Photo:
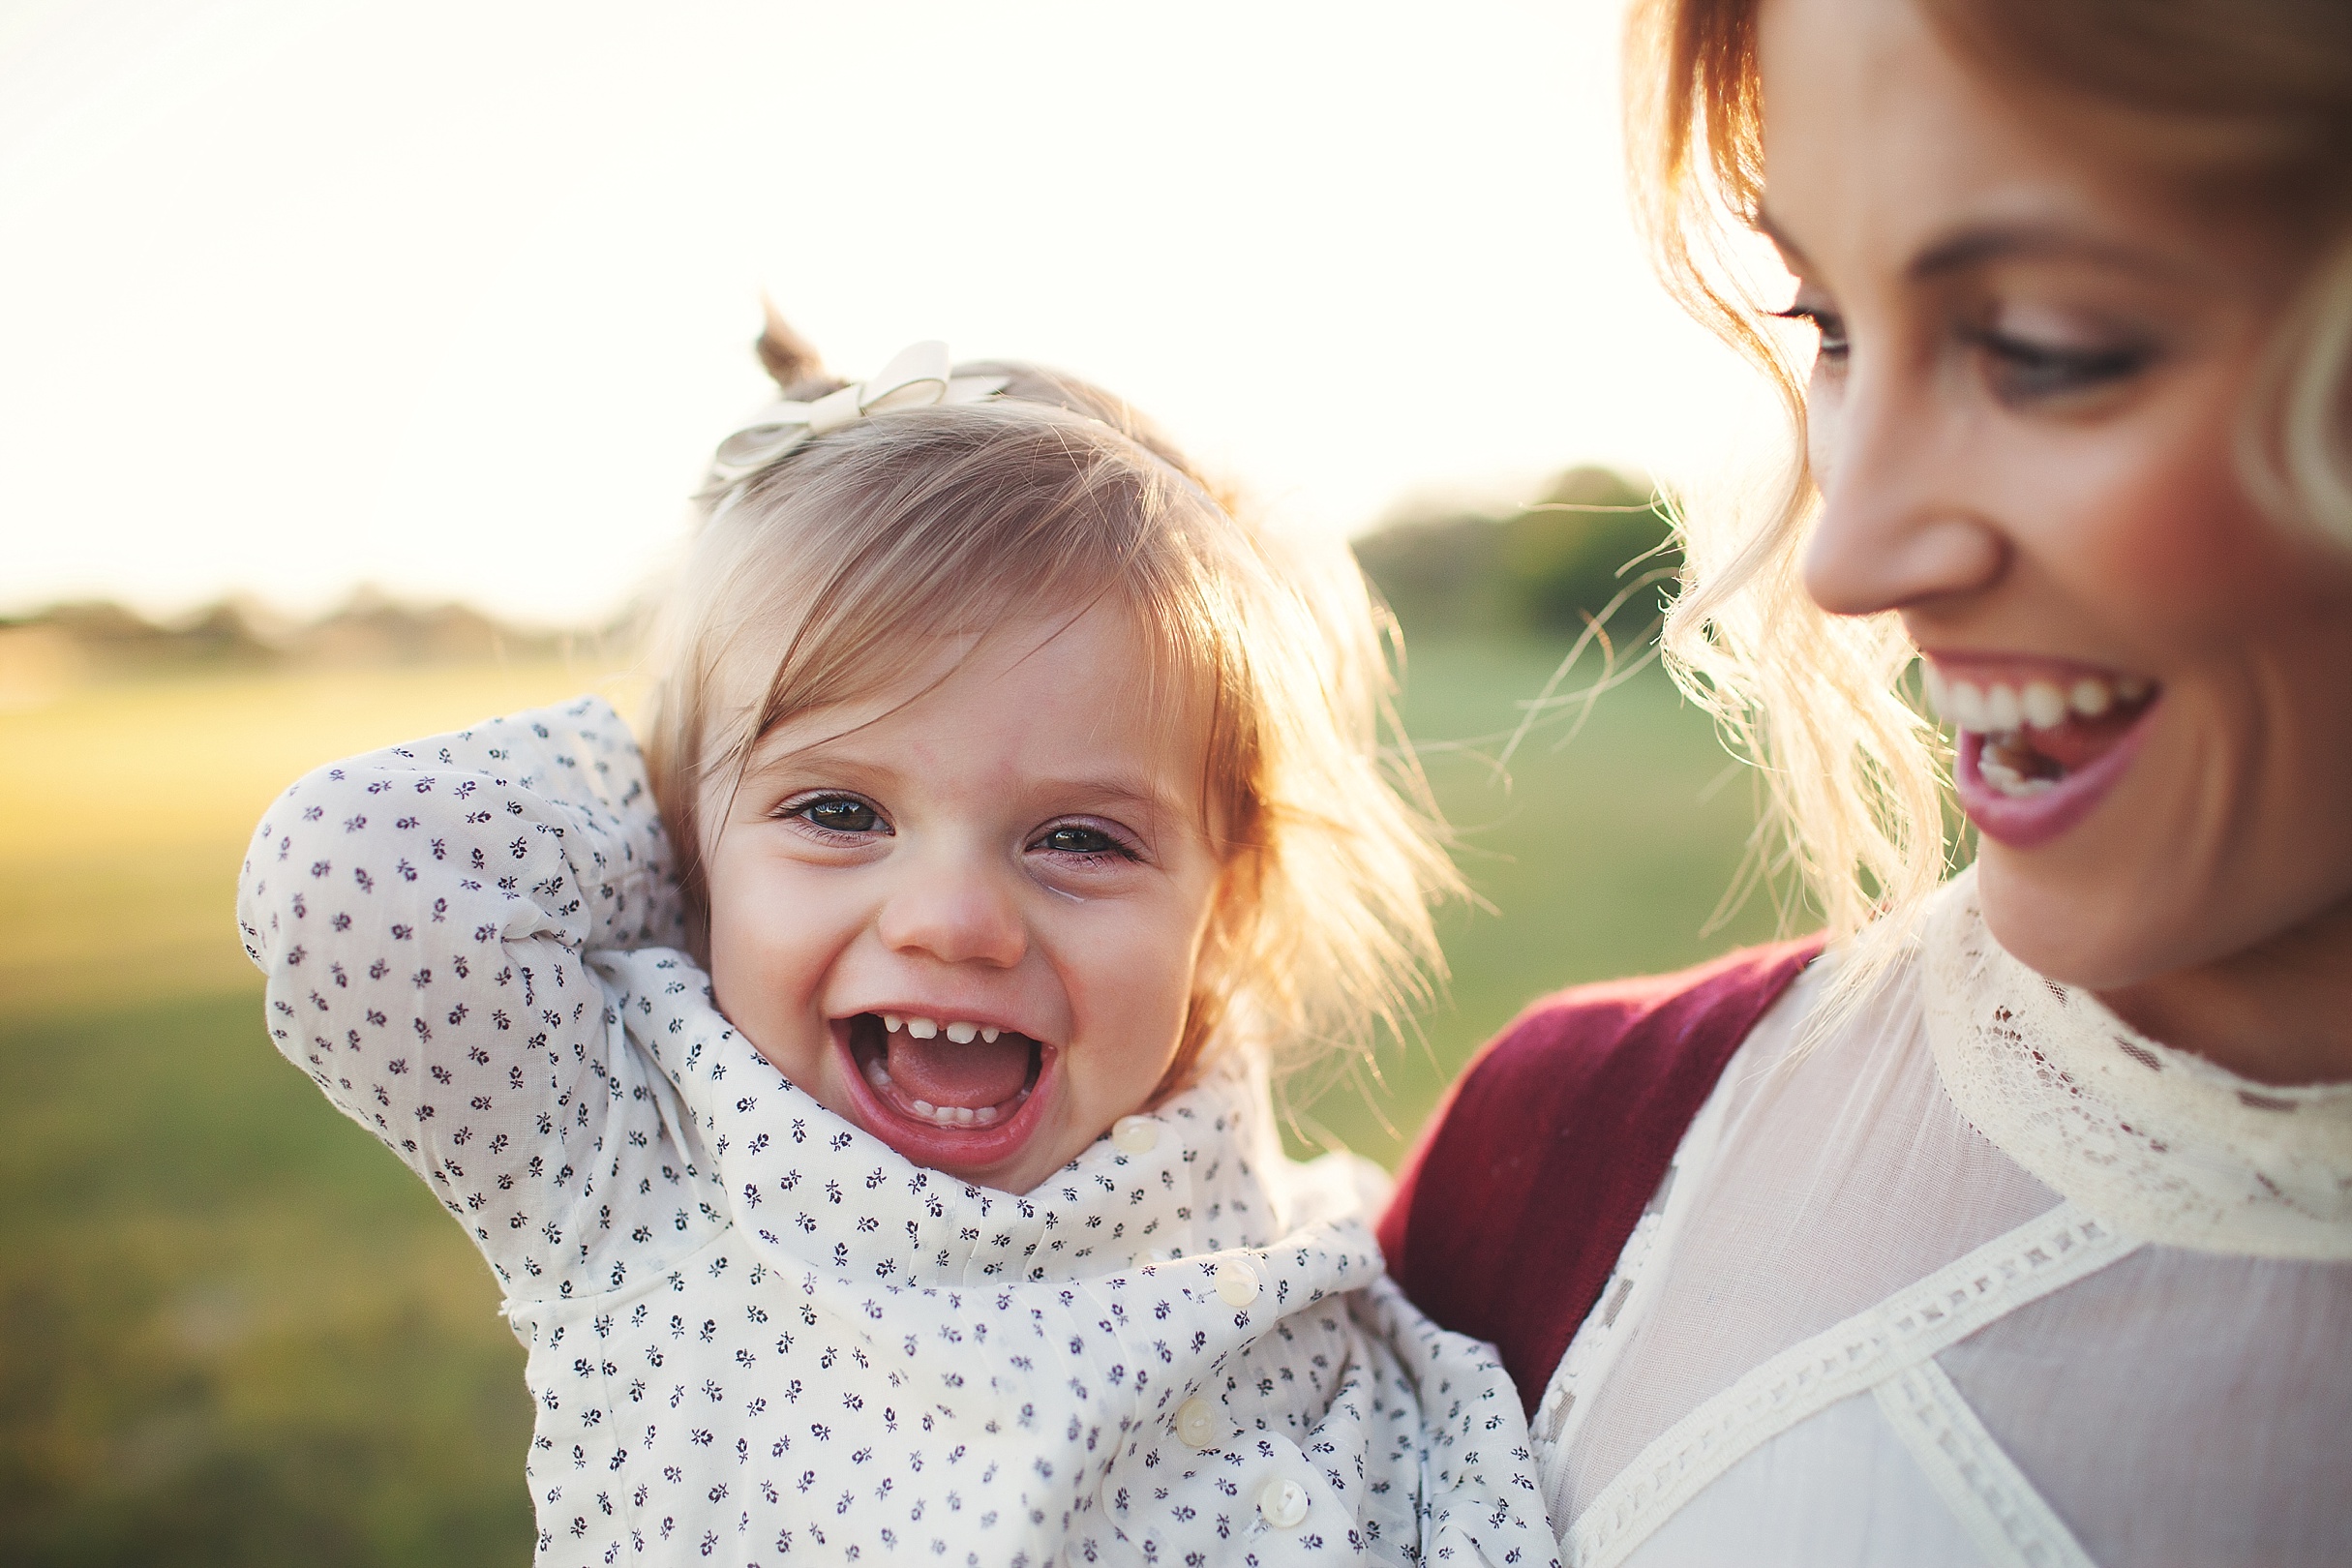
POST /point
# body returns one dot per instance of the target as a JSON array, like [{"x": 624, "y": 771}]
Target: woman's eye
[
  {"x": 840, "y": 814},
  {"x": 1075, "y": 838},
  {"x": 2022, "y": 370},
  {"x": 1827, "y": 323}
]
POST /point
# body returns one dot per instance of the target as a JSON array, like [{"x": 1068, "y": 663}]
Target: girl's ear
[{"x": 790, "y": 359}]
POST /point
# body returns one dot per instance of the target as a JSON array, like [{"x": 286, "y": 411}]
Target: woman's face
[{"x": 2023, "y": 418}]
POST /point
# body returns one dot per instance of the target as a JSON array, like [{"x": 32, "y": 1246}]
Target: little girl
[{"x": 862, "y": 1093}]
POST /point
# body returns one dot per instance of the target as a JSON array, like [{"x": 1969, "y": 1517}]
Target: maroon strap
[{"x": 1511, "y": 1213}]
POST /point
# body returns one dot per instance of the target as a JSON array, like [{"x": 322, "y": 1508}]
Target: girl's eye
[
  {"x": 840, "y": 814},
  {"x": 2022, "y": 370},
  {"x": 1827, "y": 323},
  {"x": 1077, "y": 838}
]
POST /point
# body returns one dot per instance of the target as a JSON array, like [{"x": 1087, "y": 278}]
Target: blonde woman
[{"x": 2017, "y": 1229}]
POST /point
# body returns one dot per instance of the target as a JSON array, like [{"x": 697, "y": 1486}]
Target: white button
[
  {"x": 1196, "y": 1423},
  {"x": 1236, "y": 1283},
  {"x": 1282, "y": 1502},
  {"x": 1135, "y": 1134}
]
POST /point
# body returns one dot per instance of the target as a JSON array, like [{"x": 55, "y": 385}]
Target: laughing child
[{"x": 860, "y": 1092}]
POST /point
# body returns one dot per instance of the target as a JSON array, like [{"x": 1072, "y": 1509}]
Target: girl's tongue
[{"x": 941, "y": 1073}]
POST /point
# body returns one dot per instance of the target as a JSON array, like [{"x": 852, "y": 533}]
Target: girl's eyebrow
[
  {"x": 1116, "y": 792},
  {"x": 767, "y": 758}
]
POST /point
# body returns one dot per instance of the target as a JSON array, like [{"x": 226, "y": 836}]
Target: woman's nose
[
  {"x": 1898, "y": 523},
  {"x": 957, "y": 912}
]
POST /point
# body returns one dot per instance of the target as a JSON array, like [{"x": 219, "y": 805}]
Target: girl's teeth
[
  {"x": 2002, "y": 710},
  {"x": 984, "y": 1115},
  {"x": 924, "y": 1107},
  {"x": 877, "y": 1075},
  {"x": 962, "y": 1034},
  {"x": 2091, "y": 698},
  {"x": 2045, "y": 705}
]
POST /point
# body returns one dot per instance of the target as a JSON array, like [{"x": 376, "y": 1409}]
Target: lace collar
[{"x": 2158, "y": 1141}]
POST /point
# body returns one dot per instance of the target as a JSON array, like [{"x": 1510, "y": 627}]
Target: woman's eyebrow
[
  {"x": 1791, "y": 252},
  {"x": 1984, "y": 244}
]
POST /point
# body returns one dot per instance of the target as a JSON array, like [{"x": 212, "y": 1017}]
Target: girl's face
[
  {"x": 2029, "y": 382},
  {"x": 964, "y": 915}
]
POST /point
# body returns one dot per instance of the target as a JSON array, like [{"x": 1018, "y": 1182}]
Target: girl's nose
[
  {"x": 956, "y": 912},
  {"x": 1900, "y": 521}
]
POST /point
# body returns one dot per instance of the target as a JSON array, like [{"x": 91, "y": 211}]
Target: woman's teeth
[
  {"x": 1995, "y": 706},
  {"x": 945, "y": 1115},
  {"x": 1995, "y": 769},
  {"x": 2036, "y": 732},
  {"x": 962, "y": 1034}
]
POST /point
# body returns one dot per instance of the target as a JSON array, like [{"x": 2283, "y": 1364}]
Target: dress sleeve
[
  {"x": 423, "y": 915},
  {"x": 1513, "y": 1207}
]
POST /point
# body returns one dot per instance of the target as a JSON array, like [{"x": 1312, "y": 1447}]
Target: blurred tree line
[{"x": 1540, "y": 568}]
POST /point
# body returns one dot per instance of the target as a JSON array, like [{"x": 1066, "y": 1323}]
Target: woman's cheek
[{"x": 2164, "y": 548}]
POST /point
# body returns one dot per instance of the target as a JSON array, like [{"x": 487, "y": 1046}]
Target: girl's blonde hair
[
  {"x": 2243, "y": 105},
  {"x": 831, "y": 574}
]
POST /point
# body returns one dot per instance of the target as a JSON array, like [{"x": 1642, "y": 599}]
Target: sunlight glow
[{"x": 456, "y": 298}]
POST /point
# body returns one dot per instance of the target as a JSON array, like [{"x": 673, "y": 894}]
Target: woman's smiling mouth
[
  {"x": 954, "y": 1094},
  {"x": 2041, "y": 740}
]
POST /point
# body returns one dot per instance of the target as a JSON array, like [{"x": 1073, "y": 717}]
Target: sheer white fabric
[{"x": 2172, "y": 1404}]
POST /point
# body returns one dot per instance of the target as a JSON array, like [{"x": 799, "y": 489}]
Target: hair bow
[{"x": 917, "y": 377}]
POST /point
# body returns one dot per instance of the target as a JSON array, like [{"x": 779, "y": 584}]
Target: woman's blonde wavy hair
[
  {"x": 833, "y": 574},
  {"x": 2243, "y": 105}
]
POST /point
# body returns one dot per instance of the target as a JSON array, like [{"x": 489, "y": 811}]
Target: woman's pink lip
[
  {"x": 2023, "y": 822},
  {"x": 965, "y": 1152}
]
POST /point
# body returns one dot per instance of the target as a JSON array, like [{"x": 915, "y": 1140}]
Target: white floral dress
[{"x": 759, "y": 1336}]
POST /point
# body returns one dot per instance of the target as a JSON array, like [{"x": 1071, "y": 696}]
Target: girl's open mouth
[
  {"x": 952, "y": 1093},
  {"x": 2041, "y": 742}
]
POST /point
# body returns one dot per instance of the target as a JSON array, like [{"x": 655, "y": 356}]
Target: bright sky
[{"x": 455, "y": 298}]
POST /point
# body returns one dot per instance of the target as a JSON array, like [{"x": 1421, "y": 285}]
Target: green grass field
[{"x": 233, "y": 1331}]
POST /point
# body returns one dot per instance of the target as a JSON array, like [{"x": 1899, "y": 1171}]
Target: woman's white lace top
[
  {"x": 2162, "y": 1143},
  {"x": 759, "y": 1336},
  {"x": 1983, "y": 1277}
]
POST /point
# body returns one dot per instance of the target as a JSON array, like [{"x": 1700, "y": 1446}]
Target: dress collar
[
  {"x": 2158, "y": 1141},
  {"x": 1203, "y": 1173}
]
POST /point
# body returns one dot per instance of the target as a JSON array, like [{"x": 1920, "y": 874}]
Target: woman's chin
[{"x": 2079, "y": 923}]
